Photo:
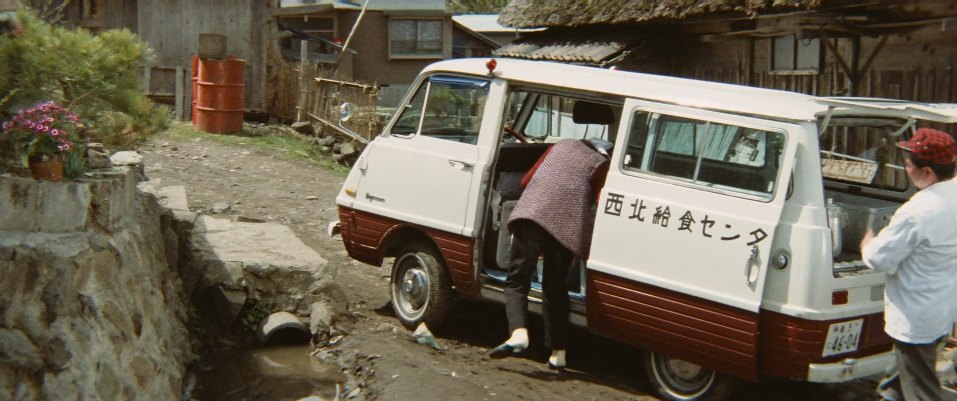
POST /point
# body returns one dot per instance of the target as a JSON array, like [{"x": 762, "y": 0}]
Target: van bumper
[{"x": 850, "y": 368}]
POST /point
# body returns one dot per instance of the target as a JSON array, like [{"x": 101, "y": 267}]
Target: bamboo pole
[
  {"x": 303, "y": 61},
  {"x": 345, "y": 46}
]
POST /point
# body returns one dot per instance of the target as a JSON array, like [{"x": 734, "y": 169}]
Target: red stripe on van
[
  {"x": 703, "y": 332},
  {"x": 789, "y": 344},
  {"x": 365, "y": 235}
]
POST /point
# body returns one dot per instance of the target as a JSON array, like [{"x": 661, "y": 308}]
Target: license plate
[{"x": 843, "y": 337}]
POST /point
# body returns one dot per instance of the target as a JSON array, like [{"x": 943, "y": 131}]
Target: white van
[{"x": 727, "y": 232}]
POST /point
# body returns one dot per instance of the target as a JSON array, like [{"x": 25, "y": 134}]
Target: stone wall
[{"x": 89, "y": 306}]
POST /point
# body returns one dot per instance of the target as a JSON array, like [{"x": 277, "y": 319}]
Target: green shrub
[{"x": 98, "y": 77}]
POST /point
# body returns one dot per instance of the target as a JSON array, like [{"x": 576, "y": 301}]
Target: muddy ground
[{"x": 378, "y": 352}]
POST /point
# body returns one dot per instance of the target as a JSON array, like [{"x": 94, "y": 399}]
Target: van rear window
[{"x": 706, "y": 153}]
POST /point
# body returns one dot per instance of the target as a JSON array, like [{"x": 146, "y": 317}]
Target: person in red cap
[{"x": 918, "y": 252}]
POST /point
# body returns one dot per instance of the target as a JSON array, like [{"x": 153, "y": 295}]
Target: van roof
[{"x": 739, "y": 99}]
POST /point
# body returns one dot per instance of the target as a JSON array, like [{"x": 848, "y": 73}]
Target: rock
[
  {"x": 384, "y": 327},
  {"x": 321, "y": 317},
  {"x": 303, "y": 127},
  {"x": 228, "y": 303},
  {"x": 347, "y": 149},
  {"x": 354, "y": 393},
  {"x": 267, "y": 261},
  {"x": 126, "y": 158},
  {"x": 327, "y": 141},
  {"x": 17, "y": 350},
  {"x": 221, "y": 207},
  {"x": 337, "y": 147},
  {"x": 174, "y": 198},
  {"x": 312, "y": 197},
  {"x": 133, "y": 160},
  {"x": 246, "y": 219},
  {"x": 97, "y": 146},
  {"x": 97, "y": 159}
]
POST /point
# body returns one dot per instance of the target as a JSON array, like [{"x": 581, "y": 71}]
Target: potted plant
[{"x": 46, "y": 136}]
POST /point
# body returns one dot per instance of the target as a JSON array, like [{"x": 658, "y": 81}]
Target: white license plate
[{"x": 843, "y": 337}]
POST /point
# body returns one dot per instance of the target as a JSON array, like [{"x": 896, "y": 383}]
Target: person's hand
[{"x": 868, "y": 236}]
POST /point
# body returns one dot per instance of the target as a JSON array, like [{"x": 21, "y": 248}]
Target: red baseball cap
[{"x": 932, "y": 145}]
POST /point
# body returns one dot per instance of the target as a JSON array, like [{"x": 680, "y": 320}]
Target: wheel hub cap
[{"x": 414, "y": 284}]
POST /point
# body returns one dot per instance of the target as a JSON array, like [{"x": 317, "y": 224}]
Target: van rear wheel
[
  {"x": 420, "y": 288},
  {"x": 679, "y": 380}
]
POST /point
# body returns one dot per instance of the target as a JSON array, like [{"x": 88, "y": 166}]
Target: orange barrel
[
  {"x": 220, "y": 89},
  {"x": 195, "y": 75}
]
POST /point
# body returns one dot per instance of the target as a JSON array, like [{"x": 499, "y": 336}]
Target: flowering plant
[{"x": 45, "y": 128}]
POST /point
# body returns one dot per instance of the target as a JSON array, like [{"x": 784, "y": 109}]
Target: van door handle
[
  {"x": 459, "y": 164},
  {"x": 749, "y": 265}
]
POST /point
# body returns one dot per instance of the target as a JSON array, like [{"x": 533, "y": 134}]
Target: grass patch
[{"x": 274, "y": 138}]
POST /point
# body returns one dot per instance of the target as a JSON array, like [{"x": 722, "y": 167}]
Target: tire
[
  {"x": 420, "y": 288},
  {"x": 678, "y": 380}
]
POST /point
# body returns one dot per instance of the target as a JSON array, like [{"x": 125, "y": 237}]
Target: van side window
[
  {"x": 703, "y": 152},
  {"x": 445, "y": 107},
  {"x": 549, "y": 117}
]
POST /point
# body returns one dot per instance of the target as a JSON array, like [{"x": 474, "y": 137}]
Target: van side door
[{"x": 684, "y": 230}]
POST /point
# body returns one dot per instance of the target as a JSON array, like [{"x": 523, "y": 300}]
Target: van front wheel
[
  {"x": 678, "y": 380},
  {"x": 420, "y": 288}
]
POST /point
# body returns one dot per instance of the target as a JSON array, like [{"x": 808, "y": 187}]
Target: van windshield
[{"x": 445, "y": 107}]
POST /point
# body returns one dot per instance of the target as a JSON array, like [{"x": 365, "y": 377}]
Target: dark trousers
[
  {"x": 528, "y": 241},
  {"x": 918, "y": 375},
  {"x": 913, "y": 376}
]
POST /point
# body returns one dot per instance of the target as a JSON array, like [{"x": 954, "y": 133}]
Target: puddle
[{"x": 274, "y": 373}]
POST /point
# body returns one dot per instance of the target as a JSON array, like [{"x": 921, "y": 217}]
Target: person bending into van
[
  {"x": 918, "y": 251},
  {"x": 553, "y": 217}
]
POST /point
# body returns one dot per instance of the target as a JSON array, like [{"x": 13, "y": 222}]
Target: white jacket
[{"x": 918, "y": 251}]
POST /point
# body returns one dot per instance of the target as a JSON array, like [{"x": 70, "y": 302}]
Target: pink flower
[{"x": 54, "y": 132}]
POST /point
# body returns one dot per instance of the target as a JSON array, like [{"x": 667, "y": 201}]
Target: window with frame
[
  {"x": 445, "y": 107},
  {"x": 793, "y": 55},
  {"x": 415, "y": 38},
  {"x": 711, "y": 154}
]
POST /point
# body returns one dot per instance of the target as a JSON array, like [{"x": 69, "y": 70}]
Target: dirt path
[{"x": 264, "y": 185}]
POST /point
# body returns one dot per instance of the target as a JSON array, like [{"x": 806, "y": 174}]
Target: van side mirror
[{"x": 346, "y": 110}]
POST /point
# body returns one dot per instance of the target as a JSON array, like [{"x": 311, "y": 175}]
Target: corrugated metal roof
[{"x": 591, "y": 53}]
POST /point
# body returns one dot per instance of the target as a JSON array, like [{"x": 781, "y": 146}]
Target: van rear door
[{"x": 684, "y": 231}]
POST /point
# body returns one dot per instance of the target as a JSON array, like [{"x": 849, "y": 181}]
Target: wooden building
[
  {"x": 394, "y": 41},
  {"x": 883, "y": 48}
]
